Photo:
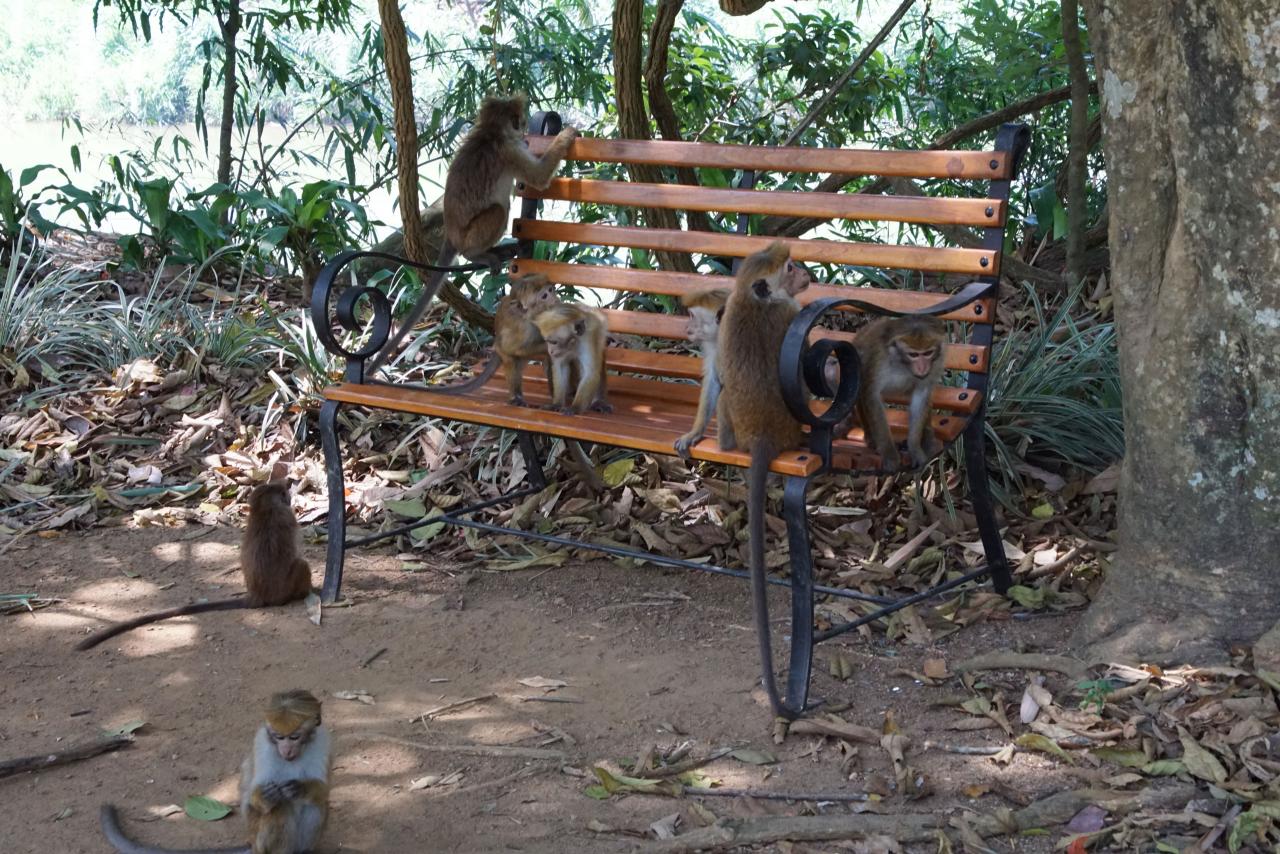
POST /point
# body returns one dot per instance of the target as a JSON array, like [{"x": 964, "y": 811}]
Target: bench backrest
[{"x": 989, "y": 213}]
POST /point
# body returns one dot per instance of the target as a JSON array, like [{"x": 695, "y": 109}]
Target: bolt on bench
[{"x": 650, "y": 410}]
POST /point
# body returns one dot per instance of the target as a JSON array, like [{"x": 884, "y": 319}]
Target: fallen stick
[
  {"x": 733, "y": 833},
  {"x": 453, "y": 707},
  {"x": 835, "y": 729},
  {"x": 371, "y": 659},
  {"x": 1022, "y": 661},
  {"x": 464, "y": 749},
  {"x": 965, "y": 749},
  {"x": 87, "y": 750},
  {"x": 527, "y": 771},
  {"x": 842, "y": 797},
  {"x": 675, "y": 769},
  {"x": 527, "y": 699}
]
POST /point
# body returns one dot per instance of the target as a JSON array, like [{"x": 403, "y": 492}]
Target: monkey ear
[
  {"x": 580, "y": 327},
  {"x": 720, "y": 315},
  {"x": 761, "y": 288}
]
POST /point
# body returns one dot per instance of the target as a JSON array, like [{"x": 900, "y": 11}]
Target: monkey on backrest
[
  {"x": 284, "y": 784},
  {"x": 751, "y": 411},
  {"x": 274, "y": 571},
  {"x": 899, "y": 356},
  {"x": 477, "y": 195}
]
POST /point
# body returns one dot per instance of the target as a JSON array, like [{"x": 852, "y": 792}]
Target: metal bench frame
[{"x": 801, "y": 375}]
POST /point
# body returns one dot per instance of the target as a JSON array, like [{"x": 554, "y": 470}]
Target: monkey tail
[
  {"x": 762, "y": 454},
  {"x": 444, "y": 259},
  {"x": 197, "y": 608},
  {"x": 110, "y": 822}
]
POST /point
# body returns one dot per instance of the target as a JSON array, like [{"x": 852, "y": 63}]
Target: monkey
[
  {"x": 899, "y": 356},
  {"x": 477, "y": 195},
  {"x": 706, "y": 307},
  {"x": 284, "y": 784},
  {"x": 274, "y": 574},
  {"x": 516, "y": 338},
  {"x": 751, "y": 410},
  {"x": 575, "y": 336}
]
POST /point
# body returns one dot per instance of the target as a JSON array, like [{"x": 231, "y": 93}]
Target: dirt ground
[{"x": 644, "y": 666}]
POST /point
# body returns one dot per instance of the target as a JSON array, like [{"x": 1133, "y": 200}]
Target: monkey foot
[
  {"x": 518, "y": 400},
  {"x": 601, "y": 407}
]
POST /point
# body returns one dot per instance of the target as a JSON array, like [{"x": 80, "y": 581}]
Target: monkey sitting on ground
[
  {"x": 576, "y": 337},
  {"x": 477, "y": 195},
  {"x": 705, "y": 307},
  {"x": 274, "y": 573},
  {"x": 751, "y": 410},
  {"x": 899, "y": 356},
  {"x": 284, "y": 784}
]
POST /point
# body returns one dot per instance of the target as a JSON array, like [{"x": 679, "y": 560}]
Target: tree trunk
[
  {"x": 230, "y": 29},
  {"x": 1190, "y": 98},
  {"x": 400, "y": 77},
  {"x": 1077, "y": 140},
  {"x": 742, "y": 7},
  {"x": 633, "y": 122},
  {"x": 664, "y": 113}
]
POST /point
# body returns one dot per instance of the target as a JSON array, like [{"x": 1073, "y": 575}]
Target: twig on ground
[
  {"x": 1022, "y": 661},
  {"x": 464, "y": 749},
  {"x": 453, "y": 707},
  {"x": 677, "y": 768},
  {"x": 964, "y": 749},
  {"x": 528, "y": 699},
  {"x": 733, "y": 833},
  {"x": 842, "y": 797},
  {"x": 371, "y": 659},
  {"x": 87, "y": 750}
]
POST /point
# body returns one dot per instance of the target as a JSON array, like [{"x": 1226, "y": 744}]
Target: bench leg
[
  {"x": 801, "y": 554},
  {"x": 983, "y": 509},
  {"x": 532, "y": 461},
  {"x": 336, "y": 527}
]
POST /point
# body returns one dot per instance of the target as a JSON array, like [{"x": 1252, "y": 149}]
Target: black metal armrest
[
  {"x": 970, "y": 293},
  {"x": 802, "y": 375},
  {"x": 345, "y": 307}
]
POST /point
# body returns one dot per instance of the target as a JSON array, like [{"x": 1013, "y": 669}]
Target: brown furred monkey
[
  {"x": 706, "y": 307},
  {"x": 477, "y": 195},
  {"x": 576, "y": 337},
  {"x": 274, "y": 573},
  {"x": 751, "y": 411},
  {"x": 899, "y": 356},
  {"x": 284, "y": 784}
]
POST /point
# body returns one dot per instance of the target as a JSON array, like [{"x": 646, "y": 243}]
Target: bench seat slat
[
  {"x": 850, "y": 206},
  {"x": 630, "y": 360},
  {"x": 941, "y": 260},
  {"x": 776, "y": 158},
  {"x": 646, "y": 417},
  {"x": 676, "y": 284},
  {"x": 956, "y": 357}
]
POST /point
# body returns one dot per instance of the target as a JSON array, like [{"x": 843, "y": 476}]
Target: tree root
[{"x": 1023, "y": 661}]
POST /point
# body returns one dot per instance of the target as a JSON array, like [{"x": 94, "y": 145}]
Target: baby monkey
[
  {"x": 706, "y": 307},
  {"x": 576, "y": 337},
  {"x": 284, "y": 784},
  {"x": 274, "y": 572},
  {"x": 899, "y": 356}
]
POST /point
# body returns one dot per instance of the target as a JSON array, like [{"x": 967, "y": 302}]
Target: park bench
[{"x": 654, "y": 402}]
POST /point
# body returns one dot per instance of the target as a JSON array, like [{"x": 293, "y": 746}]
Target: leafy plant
[
  {"x": 310, "y": 227},
  {"x": 1055, "y": 395}
]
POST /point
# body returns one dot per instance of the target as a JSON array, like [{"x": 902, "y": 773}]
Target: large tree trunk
[{"x": 1191, "y": 127}]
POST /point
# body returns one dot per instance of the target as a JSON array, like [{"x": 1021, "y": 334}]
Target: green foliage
[
  {"x": 1055, "y": 399},
  {"x": 310, "y": 227}
]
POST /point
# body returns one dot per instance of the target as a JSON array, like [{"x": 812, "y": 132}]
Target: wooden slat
[
  {"x": 958, "y": 357},
  {"x": 942, "y": 260},
  {"x": 852, "y": 206},
  {"x": 649, "y": 362},
  {"x": 677, "y": 284},
  {"x": 773, "y": 158},
  {"x": 639, "y": 421}
]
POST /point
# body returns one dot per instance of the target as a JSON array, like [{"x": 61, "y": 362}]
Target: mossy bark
[{"x": 1191, "y": 129}]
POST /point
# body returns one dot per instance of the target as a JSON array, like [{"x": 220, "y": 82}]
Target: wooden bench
[{"x": 654, "y": 402}]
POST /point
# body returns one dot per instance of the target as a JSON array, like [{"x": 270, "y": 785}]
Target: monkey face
[
  {"x": 917, "y": 352},
  {"x": 290, "y": 746},
  {"x": 562, "y": 342},
  {"x": 703, "y": 325},
  {"x": 795, "y": 277},
  {"x": 535, "y": 301}
]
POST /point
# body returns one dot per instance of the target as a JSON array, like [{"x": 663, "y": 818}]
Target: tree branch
[{"x": 1077, "y": 140}]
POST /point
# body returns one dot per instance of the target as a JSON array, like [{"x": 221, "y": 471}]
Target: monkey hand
[
  {"x": 568, "y": 134},
  {"x": 685, "y": 442},
  {"x": 290, "y": 789},
  {"x": 272, "y": 794}
]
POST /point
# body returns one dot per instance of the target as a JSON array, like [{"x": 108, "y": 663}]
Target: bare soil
[{"x": 641, "y": 671}]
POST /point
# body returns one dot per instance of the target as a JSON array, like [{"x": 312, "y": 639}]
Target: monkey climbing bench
[{"x": 654, "y": 402}]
